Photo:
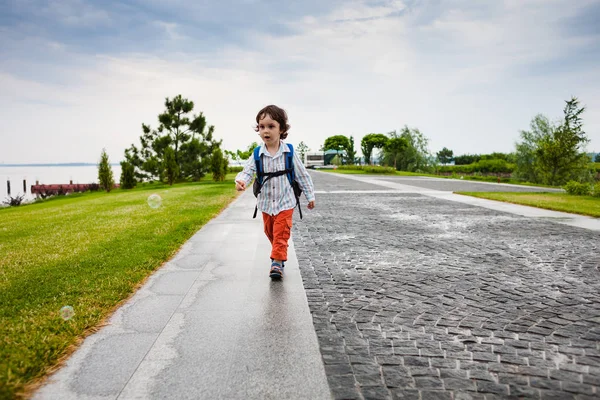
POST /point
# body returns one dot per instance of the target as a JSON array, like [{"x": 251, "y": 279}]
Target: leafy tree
[
  {"x": 560, "y": 154},
  {"x": 192, "y": 144},
  {"x": 105, "y": 174},
  {"x": 554, "y": 154},
  {"x": 370, "y": 142},
  {"x": 218, "y": 165},
  {"x": 127, "y": 175},
  {"x": 196, "y": 155},
  {"x": 338, "y": 143},
  {"x": 495, "y": 156},
  {"x": 350, "y": 152},
  {"x": 224, "y": 167},
  {"x": 466, "y": 159},
  {"x": 445, "y": 156},
  {"x": 336, "y": 160},
  {"x": 242, "y": 155},
  {"x": 302, "y": 149},
  {"x": 170, "y": 166},
  {"x": 527, "y": 167},
  {"x": 394, "y": 149},
  {"x": 416, "y": 156},
  {"x": 597, "y": 158}
]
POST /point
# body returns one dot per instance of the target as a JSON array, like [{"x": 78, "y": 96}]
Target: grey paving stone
[
  {"x": 405, "y": 394},
  {"x": 428, "y": 383},
  {"x": 459, "y": 384},
  {"x": 341, "y": 381},
  {"x": 111, "y": 363},
  {"x": 368, "y": 379},
  {"x": 556, "y": 395},
  {"x": 152, "y": 313},
  {"x": 376, "y": 393},
  {"x": 523, "y": 392},
  {"x": 345, "y": 393},
  {"x": 435, "y": 395},
  {"x": 474, "y": 290},
  {"x": 492, "y": 387}
]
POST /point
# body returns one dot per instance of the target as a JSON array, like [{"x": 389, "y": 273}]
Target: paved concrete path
[
  {"x": 210, "y": 324},
  {"x": 417, "y": 293}
]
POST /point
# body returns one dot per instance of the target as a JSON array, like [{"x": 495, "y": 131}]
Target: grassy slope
[
  {"x": 465, "y": 177},
  {"x": 89, "y": 251},
  {"x": 585, "y": 205}
]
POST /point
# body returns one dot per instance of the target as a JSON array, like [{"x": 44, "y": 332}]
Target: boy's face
[{"x": 269, "y": 130}]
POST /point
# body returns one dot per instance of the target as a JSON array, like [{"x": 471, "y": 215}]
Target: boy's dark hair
[{"x": 278, "y": 114}]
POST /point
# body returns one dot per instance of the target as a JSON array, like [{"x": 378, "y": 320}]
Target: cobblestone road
[{"x": 415, "y": 297}]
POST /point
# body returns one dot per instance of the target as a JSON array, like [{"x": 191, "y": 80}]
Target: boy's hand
[
  {"x": 311, "y": 205},
  {"x": 240, "y": 185}
]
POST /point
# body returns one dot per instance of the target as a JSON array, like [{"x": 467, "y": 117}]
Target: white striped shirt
[{"x": 277, "y": 194}]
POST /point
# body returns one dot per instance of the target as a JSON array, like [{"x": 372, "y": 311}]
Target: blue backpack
[{"x": 262, "y": 177}]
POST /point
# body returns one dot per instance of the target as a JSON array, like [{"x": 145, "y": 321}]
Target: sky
[{"x": 78, "y": 76}]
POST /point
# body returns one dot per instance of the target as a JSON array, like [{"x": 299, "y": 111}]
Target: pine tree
[
  {"x": 105, "y": 174},
  {"x": 170, "y": 166},
  {"x": 217, "y": 165},
  {"x": 127, "y": 175}
]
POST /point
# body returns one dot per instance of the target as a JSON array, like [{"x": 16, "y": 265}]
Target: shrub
[
  {"x": 93, "y": 187},
  {"x": 371, "y": 169},
  {"x": 494, "y": 166},
  {"x": 218, "y": 166},
  {"x": 457, "y": 169},
  {"x": 14, "y": 201},
  {"x": 577, "y": 188},
  {"x": 466, "y": 159},
  {"x": 235, "y": 169},
  {"x": 487, "y": 178},
  {"x": 127, "y": 175},
  {"x": 596, "y": 192}
]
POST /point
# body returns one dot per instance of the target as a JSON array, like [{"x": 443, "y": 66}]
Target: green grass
[
  {"x": 89, "y": 251},
  {"x": 465, "y": 177},
  {"x": 362, "y": 172},
  {"x": 584, "y": 205}
]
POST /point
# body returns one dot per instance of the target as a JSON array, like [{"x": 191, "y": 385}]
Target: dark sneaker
[{"x": 276, "y": 271}]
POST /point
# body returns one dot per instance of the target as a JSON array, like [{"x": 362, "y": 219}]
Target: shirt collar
[{"x": 282, "y": 147}]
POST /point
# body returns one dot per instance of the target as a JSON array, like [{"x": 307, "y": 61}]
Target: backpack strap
[
  {"x": 259, "y": 173},
  {"x": 289, "y": 166},
  {"x": 259, "y": 165}
]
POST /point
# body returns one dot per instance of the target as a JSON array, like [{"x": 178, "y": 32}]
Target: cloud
[{"x": 468, "y": 76}]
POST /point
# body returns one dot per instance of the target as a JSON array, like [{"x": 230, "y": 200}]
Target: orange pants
[{"x": 278, "y": 229}]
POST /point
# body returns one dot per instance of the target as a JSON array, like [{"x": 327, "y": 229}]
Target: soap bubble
[
  {"x": 154, "y": 201},
  {"x": 67, "y": 312}
]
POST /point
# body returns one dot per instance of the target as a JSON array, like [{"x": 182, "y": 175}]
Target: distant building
[
  {"x": 330, "y": 155},
  {"x": 314, "y": 159}
]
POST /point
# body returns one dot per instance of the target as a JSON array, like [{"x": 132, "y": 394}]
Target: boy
[{"x": 276, "y": 199}]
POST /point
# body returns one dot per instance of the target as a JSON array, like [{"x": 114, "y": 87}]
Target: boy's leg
[
  {"x": 282, "y": 228},
  {"x": 268, "y": 225},
  {"x": 268, "y": 222}
]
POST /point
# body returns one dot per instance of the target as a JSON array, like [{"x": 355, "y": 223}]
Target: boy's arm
[
  {"x": 246, "y": 175},
  {"x": 303, "y": 179}
]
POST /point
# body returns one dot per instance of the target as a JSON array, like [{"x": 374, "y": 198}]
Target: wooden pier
[{"x": 56, "y": 188}]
